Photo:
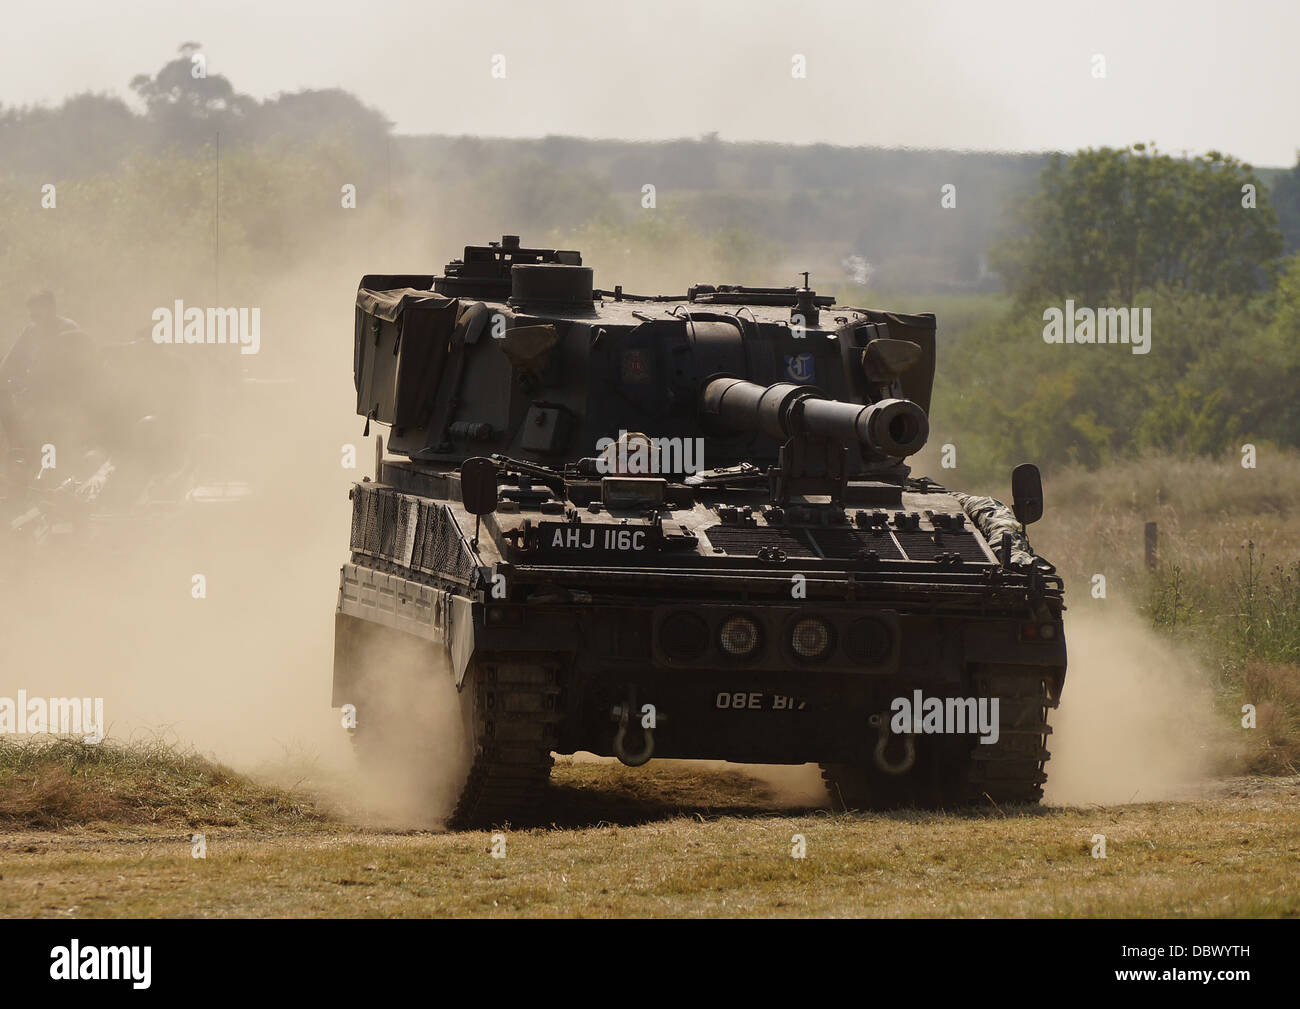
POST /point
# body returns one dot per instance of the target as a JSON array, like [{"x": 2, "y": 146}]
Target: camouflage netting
[{"x": 992, "y": 518}]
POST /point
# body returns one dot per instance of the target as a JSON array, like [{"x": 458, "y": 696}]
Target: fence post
[{"x": 1151, "y": 546}]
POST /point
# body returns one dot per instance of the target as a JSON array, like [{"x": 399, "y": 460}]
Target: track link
[{"x": 512, "y": 716}]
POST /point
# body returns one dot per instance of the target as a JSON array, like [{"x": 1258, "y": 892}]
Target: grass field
[{"x": 671, "y": 840}]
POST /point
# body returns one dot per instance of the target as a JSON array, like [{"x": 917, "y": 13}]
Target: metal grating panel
[
  {"x": 370, "y": 537},
  {"x": 442, "y": 548},
  {"x": 845, "y": 543},
  {"x": 747, "y": 541},
  {"x": 421, "y": 535},
  {"x": 389, "y": 525},
  {"x": 358, "y": 518},
  {"x": 922, "y": 546},
  {"x": 429, "y": 515}
]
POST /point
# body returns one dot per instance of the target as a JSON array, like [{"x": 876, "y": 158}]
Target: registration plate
[{"x": 757, "y": 700}]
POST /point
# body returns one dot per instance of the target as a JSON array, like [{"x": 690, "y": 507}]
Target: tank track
[
  {"x": 1010, "y": 771},
  {"x": 512, "y": 717},
  {"x": 1014, "y": 768}
]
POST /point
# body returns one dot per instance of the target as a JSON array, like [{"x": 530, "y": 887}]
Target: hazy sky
[{"x": 963, "y": 74}]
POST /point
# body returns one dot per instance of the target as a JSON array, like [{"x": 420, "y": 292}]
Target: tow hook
[
  {"x": 909, "y": 748},
  {"x": 621, "y": 713}
]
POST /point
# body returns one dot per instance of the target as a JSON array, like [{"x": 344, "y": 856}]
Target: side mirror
[
  {"x": 478, "y": 485},
  {"x": 1027, "y": 493}
]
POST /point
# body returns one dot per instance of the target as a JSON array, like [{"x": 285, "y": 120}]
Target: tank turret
[{"x": 514, "y": 351}]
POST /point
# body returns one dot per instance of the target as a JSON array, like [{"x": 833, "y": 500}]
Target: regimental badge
[
  {"x": 799, "y": 368},
  {"x": 636, "y": 366}
]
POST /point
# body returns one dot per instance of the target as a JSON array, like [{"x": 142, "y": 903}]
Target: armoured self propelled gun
[{"x": 678, "y": 526}]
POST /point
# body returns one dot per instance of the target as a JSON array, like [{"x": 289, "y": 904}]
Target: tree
[
  {"x": 184, "y": 101},
  {"x": 1107, "y": 223}
]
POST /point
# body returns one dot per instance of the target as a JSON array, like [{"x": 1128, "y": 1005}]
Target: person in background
[
  {"x": 47, "y": 341},
  {"x": 46, "y": 380}
]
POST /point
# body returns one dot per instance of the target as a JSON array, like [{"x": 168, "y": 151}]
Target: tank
[{"x": 677, "y": 526}]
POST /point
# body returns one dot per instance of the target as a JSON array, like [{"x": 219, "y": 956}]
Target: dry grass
[
  {"x": 57, "y": 784},
  {"x": 720, "y": 845},
  {"x": 1276, "y": 688}
]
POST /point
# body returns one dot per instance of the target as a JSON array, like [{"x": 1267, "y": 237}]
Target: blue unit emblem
[{"x": 799, "y": 368}]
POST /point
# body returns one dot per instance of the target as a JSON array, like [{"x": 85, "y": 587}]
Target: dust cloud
[
  {"x": 789, "y": 784},
  {"x": 238, "y": 667},
  {"x": 1136, "y": 721},
  {"x": 412, "y": 744}
]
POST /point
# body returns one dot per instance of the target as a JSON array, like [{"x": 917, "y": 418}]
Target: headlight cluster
[
  {"x": 740, "y": 637},
  {"x": 868, "y": 641},
  {"x": 687, "y": 636},
  {"x": 811, "y": 638},
  {"x": 684, "y": 636}
]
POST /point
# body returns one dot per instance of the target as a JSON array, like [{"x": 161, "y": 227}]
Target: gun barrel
[{"x": 892, "y": 427}]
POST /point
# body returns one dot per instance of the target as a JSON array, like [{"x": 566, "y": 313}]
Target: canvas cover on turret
[{"x": 400, "y": 346}]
